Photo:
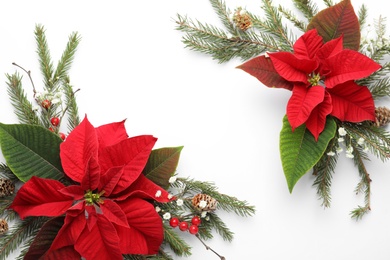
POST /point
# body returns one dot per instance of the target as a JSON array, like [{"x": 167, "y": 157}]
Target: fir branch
[
  {"x": 22, "y": 106},
  {"x": 6, "y": 172},
  {"x": 64, "y": 64},
  {"x": 20, "y": 231},
  {"x": 213, "y": 41},
  {"x": 328, "y": 3},
  {"x": 71, "y": 105},
  {"x": 323, "y": 171},
  {"x": 45, "y": 62},
  {"x": 375, "y": 138},
  {"x": 225, "y": 202},
  {"x": 178, "y": 245},
  {"x": 362, "y": 16},
  {"x": 293, "y": 18},
  {"x": 274, "y": 26},
  {"x": 307, "y": 7},
  {"x": 220, "y": 227},
  {"x": 378, "y": 82},
  {"x": 224, "y": 15},
  {"x": 365, "y": 183}
]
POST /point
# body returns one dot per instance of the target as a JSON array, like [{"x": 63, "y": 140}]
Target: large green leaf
[
  {"x": 300, "y": 152},
  {"x": 162, "y": 165},
  {"x": 31, "y": 150},
  {"x": 338, "y": 20}
]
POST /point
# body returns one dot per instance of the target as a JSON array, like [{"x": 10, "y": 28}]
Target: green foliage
[
  {"x": 31, "y": 150},
  {"x": 18, "y": 233},
  {"x": 162, "y": 165},
  {"x": 299, "y": 150},
  {"x": 23, "y": 107}
]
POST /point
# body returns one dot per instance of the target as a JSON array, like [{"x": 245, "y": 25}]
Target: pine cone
[
  {"x": 3, "y": 226},
  {"x": 204, "y": 202},
  {"x": 382, "y": 115},
  {"x": 242, "y": 19},
  {"x": 6, "y": 187}
]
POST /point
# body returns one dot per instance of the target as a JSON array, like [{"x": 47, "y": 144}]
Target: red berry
[
  {"x": 51, "y": 129},
  {"x": 196, "y": 221},
  {"x": 46, "y": 104},
  {"x": 62, "y": 135},
  {"x": 174, "y": 222},
  {"x": 55, "y": 121},
  {"x": 183, "y": 226},
  {"x": 193, "y": 229}
]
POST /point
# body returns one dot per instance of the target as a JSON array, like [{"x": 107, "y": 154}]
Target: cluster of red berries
[
  {"x": 55, "y": 121},
  {"x": 46, "y": 104},
  {"x": 193, "y": 228}
]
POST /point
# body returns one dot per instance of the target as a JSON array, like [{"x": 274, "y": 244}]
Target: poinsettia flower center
[
  {"x": 93, "y": 198},
  {"x": 314, "y": 79}
]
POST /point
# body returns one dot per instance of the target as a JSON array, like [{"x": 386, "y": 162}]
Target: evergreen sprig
[{"x": 18, "y": 233}]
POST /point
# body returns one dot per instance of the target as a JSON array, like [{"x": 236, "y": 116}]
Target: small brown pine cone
[
  {"x": 7, "y": 187},
  {"x": 204, "y": 202},
  {"x": 382, "y": 115},
  {"x": 3, "y": 226},
  {"x": 242, "y": 19}
]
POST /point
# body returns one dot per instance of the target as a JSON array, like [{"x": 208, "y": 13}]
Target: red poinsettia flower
[
  {"x": 321, "y": 76},
  {"x": 107, "y": 211}
]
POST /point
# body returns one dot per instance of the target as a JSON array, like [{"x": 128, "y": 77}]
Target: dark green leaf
[
  {"x": 300, "y": 152},
  {"x": 338, "y": 20},
  {"x": 31, "y": 150},
  {"x": 162, "y": 165}
]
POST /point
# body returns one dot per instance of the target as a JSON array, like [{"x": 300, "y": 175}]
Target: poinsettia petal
[
  {"x": 307, "y": 45},
  {"x": 75, "y": 191},
  {"x": 291, "y": 68},
  {"x": 114, "y": 213},
  {"x": 65, "y": 253},
  {"x": 111, "y": 134},
  {"x": 302, "y": 103},
  {"x": 132, "y": 154},
  {"x": 41, "y": 197},
  {"x": 77, "y": 148},
  {"x": 101, "y": 242},
  {"x": 145, "y": 234},
  {"x": 317, "y": 119},
  {"x": 91, "y": 177},
  {"x": 145, "y": 189},
  {"x": 262, "y": 68},
  {"x": 110, "y": 180},
  {"x": 330, "y": 48},
  {"x": 70, "y": 231},
  {"x": 348, "y": 65},
  {"x": 352, "y": 103}
]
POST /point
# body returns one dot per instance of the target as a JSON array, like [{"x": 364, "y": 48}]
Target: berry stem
[
  {"x": 29, "y": 75},
  {"x": 209, "y": 248}
]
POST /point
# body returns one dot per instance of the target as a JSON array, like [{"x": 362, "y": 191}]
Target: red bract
[
  {"x": 107, "y": 210},
  {"x": 321, "y": 76}
]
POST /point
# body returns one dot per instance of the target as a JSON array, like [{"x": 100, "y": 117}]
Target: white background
[{"x": 132, "y": 64}]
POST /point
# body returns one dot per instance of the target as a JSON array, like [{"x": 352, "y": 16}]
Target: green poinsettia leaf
[
  {"x": 31, "y": 150},
  {"x": 44, "y": 238},
  {"x": 338, "y": 20},
  {"x": 162, "y": 165},
  {"x": 300, "y": 152}
]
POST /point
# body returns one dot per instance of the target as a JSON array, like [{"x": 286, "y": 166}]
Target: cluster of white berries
[{"x": 349, "y": 149}]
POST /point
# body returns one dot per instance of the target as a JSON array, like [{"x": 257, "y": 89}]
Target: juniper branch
[{"x": 22, "y": 106}]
